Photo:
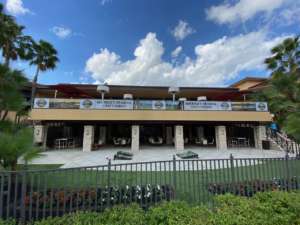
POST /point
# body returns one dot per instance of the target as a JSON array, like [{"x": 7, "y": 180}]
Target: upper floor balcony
[{"x": 148, "y": 110}]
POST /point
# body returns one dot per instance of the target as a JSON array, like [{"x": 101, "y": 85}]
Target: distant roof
[{"x": 247, "y": 79}]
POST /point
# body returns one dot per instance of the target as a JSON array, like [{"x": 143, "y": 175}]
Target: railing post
[
  {"x": 232, "y": 169},
  {"x": 108, "y": 172},
  {"x": 287, "y": 171},
  {"x": 23, "y": 196},
  {"x": 174, "y": 173}
]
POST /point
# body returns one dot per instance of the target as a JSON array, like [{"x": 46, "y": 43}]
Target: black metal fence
[{"x": 32, "y": 195}]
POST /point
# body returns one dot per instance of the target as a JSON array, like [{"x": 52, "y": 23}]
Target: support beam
[
  {"x": 88, "y": 138},
  {"x": 179, "y": 140},
  {"x": 169, "y": 136},
  {"x": 260, "y": 134},
  {"x": 221, "y": 137},
  {"x": 200, "y": 132},
  {"x": 102, "y": 135},
  {"x": 135, "y": 138}
]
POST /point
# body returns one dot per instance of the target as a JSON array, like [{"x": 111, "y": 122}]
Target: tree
[
  {"x": 13, "y": 43},
  {"x": 15, "y": 142},
  {"x": 44, "y": 56},
  {"x": 11, "y": 99},
  {"x": 283, "y": 91}
]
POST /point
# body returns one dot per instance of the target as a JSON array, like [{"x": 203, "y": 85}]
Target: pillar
[
  {"x": 39, "y": 134},
  {"x": 88, "y": 138},
  {"x": 260, "y": 134},
  {"x": 179, "y": 140},
  {"x": 221, "y": 137},
  {"x": 169, "y": 138},
  {"x": 135, "y": 137},
  {"x": 102, "y": 135},
  {"x": 200, "y": 132}
]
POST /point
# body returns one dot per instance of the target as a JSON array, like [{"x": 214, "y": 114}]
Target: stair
[{"x": 281, "y": 142}]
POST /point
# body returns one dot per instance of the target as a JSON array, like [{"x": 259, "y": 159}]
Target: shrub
[
  {"x": 268, "y": 208},
  {"x": 249, "y": 188},
  {"x": 177, "y": 213}
]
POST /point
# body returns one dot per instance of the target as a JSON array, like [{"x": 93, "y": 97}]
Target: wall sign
[
  {"x": 106, "y": 104},
  {"x": 207, "y": 106},
  {"x": 41, "y": 103}
]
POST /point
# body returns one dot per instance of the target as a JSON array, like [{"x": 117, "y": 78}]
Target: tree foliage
[
  {"x": 283, "y": 91},
  {"x": 15, "y": 141}
]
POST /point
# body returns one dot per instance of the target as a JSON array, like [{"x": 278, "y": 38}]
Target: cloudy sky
[{"x": 155, "y": 42}]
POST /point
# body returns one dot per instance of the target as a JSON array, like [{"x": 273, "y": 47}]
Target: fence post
[
  {"x": 174, "y": 173},
  {"x": 108, "y": 172},
  {"x": 23, "y": 196},
  {"x": 288, "y": 180},
  {"x": 232, "y": 170}
]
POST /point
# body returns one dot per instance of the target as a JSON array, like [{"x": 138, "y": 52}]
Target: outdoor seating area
[
  {"x": 66, "y": 143},
  {"x": 155, "y": 140},
  {"x": 238, "y": 142},
  {"x": 121, "y": 141}
]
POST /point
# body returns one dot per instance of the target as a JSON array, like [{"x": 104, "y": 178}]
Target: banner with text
[
  {"x": 106, "y": 104},
  {"x": 207, "y": 105}
]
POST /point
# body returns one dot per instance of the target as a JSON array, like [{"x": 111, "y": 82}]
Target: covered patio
[{"x": 78, "y": 158}]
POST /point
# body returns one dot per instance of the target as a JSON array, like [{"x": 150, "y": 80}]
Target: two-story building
[{"x": 93, "y": 117}]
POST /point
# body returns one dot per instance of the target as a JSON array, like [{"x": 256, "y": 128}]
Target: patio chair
[{"x": 116, "y": 141}]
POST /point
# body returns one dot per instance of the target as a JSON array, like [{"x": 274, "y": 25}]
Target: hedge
[{"x": 268, "y": 208}]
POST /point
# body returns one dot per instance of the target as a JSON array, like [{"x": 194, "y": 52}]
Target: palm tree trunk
[
  {"x": 4, "y": 115},
  {"x": 33, "y": 88}
]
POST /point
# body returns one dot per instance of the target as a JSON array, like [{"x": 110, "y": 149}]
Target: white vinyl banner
[
  {"x": 41, "y": 103},
  {"x": 106, "y": 104},
  {"x": 207, "y": 105}
]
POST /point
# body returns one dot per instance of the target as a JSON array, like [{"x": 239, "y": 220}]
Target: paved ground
[{"x": 77, "y": 158}]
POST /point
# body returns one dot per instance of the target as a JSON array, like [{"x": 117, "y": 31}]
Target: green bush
[{"x": 269, "y": 208}]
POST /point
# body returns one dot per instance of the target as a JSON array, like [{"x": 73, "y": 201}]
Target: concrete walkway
[{"x": 78, "y": 158}]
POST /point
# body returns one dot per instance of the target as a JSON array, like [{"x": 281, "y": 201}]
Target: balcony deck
[{"x": 148, "y": 110}]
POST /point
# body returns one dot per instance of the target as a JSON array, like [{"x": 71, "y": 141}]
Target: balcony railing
[{"x": 123, "y": 104}]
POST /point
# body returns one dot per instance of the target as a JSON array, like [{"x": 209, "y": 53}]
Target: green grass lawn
[{"x": 189, "y": 185}]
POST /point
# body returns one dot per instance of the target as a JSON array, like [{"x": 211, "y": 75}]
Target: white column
[
  {"x": 102, "y": 135},
  {"x": 221, "y": 137},
  {"x": 260, "y": 134},
  {"x": 45, "y": 138},
  {"x": 169, "y": 138},
  {"x": 39, "y": 134},
  {"x": 135, "y": 137},
  {"x": 179, "y": 141},
  {"x": 200, "y": 132},
  {"x": 88, "y": 138}
]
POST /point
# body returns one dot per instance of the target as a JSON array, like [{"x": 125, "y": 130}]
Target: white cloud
[
  {"x": 215, "y": 63},
  {"x": 61, "y": 32},
  {"x": 182, "y": 30},
  {"x": 176, "y": 51},
  {"x": 241, "y": 11},
  {"x": 16, "y": 7}
]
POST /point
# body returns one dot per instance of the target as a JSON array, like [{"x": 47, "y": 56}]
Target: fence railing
[
  {"x": 33, "y": 195},
  {"x": 283, "y": 142}
]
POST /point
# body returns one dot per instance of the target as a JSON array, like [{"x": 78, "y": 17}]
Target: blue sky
[{"x": 156, "y": 42}]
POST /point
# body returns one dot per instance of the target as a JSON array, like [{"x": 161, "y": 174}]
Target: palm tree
[
  {"x": 285, "y": 57},
  {"x": 11, "y": 99},
  {"x": 13, "y": 43},
  {"x": 44, "y": 56},
  {"x": 16, "y": 141},
  {"x": 283, "y": 91}
]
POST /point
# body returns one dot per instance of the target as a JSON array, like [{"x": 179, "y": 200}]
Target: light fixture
[
  {"x": 128, "y": 96},
  {"x": 103, "y": 90},
  {"x": 173, "y": 91}
]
